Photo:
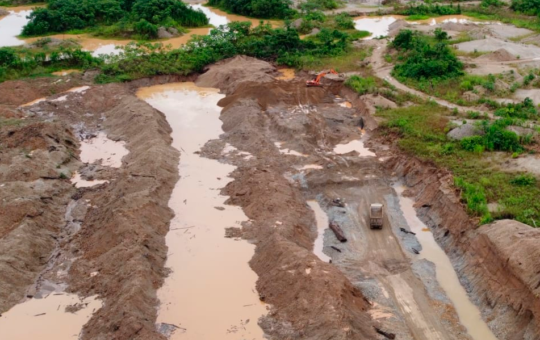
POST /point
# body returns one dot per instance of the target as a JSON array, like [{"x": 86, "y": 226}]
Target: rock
[
  {"x": 470, "y": 96},
  {"x": 464, "y": 131},
  {"x": 480, "y": 90},
  {"x": 297, "y": 23},
  {"x": 314, "y": 31},
  {"x": 521, "y": 131},
  {"x": 3, "y": 12},
  {"x": 501, "y": 86},
  {"x": 163, "y": 34},
  {"x": 173, "y": 31},
  {"x": 379, "y": 101}
]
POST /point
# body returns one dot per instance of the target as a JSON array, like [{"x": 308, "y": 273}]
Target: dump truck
[{"x": 376, "y": 216}]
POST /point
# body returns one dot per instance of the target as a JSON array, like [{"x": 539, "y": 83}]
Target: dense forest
[
  {"x": 267, "y": 9},
  {"x": 142, "y": 17}
]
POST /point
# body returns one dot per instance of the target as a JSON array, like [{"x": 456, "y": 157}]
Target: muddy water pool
[
  {"x": 469, "y": 314},
  {"x": 355, "y": 145},
  {"x": 210, "y": 293},
  {"x": 101, "y": 147},
  {"x": 12, "y": 25},
  {"x": 33, "y": 319}
]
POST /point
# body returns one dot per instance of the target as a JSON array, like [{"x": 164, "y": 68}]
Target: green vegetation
[
  {"x": 121, "y": 17},
  {"x": 524, "y": 110},
  {"x": 494, "y": 3},
  {"x": 362, "y": 85},
  {"x": 503, "y": 14},
  {"x": 429, "y": 10},
  {"x": 266, "y": 9},
  {"x": 422, "y": 132},
  {"x": 318, "y": 5},
  {"x": 281, "y": 44},
  {"x": 16, "y": 63},
  {"x": 423, "y": 59},
  {"x": 529, "y": 7}
]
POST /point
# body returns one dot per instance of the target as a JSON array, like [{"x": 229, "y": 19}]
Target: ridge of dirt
[
  {"x": 33, "y": 197},
  {"x": 119, "y": 252},
  {"x": 497, "y": 263}
]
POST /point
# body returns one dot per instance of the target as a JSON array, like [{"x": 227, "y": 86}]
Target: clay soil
[{"x": 119, "y": 252}]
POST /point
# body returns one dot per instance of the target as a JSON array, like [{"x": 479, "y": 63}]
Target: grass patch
[{"x": 422, "y": 129}]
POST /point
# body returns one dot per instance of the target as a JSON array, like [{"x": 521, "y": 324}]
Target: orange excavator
[{"x": 317, "y": 81}]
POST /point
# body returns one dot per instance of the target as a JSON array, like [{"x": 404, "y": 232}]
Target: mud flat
[{"x": 210, "y": 292}]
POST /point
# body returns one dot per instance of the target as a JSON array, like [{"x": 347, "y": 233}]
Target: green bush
[
  {"x": 523, "y": 110},
  {"x": 531, "y": 7},
  {"x": 524, "y": 180},
  {"x": 429, "y": 9},
  {"x": 361, "y": 85},
  {"x": 65, "y": 15},
  {"x": 492, "y": 3},
  {"x": 344, "y": 21},
  {"x": 266, "y": 9}
]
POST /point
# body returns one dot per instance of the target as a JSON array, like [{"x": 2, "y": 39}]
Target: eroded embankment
[
  {"x": 119, "y": 251},
  {"x": 497, "y": 263}
]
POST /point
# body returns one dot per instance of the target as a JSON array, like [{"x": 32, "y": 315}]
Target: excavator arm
[{"x": 317, "y": 81}]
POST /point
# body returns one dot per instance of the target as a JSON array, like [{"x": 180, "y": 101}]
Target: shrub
[
  {"x": 524, "y": 180},
  {"x": 531, "y": 7},
  {"x": 523, "y": 110},
  {"x": 344, "y": 21},
  {"x": 268, "y": 9},
  {"x": 475, "y": 197},
  {"x": 361, "y": 85},
  {"x": 64, "y": 15}
]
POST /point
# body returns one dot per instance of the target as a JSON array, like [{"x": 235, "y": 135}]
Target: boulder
[
  {"x": 297, "y": 23},
  {"x": 163, "y": 33},
  {"x": 470, "y": 96},
  {"x": 173, "y": 31},
  {"x": 463, "y": 131},
  {"x": 3, "y": 12}
]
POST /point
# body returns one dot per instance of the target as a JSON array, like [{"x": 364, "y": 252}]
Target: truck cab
[{"x": 376, "y": 216}]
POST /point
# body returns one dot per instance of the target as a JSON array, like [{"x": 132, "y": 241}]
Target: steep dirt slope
[{"x": 498, "y": 263}]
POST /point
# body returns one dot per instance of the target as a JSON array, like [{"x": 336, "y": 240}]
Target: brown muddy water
[
  {"x": 469, "y": 314},
  {"x": 210, "y": 292},
  {"x": 47, "y": 318},
  {"x": 379, "y": 26},
  {"x": 102, "y": 148},
  {"x": 12, "y": 25}
]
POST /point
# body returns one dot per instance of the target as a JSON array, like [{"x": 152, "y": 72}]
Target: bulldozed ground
[{"x": 116, "y": 249}]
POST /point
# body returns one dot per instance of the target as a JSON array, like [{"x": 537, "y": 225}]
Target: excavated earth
[{"x": 119, "y": 251}]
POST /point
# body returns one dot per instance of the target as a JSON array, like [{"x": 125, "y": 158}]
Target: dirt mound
[
  {"x": 498, "y": 55},
  {"x": 492, "y": 44},
  {"x": 228, "y": 74},
  {"x": 289, "y": 93},
  {"x": 33, "y": 197},
  {"x": 396, "y": 26}
]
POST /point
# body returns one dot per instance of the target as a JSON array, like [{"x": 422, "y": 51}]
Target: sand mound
[
  {"x": 493, "y": 44},
  {"x": 397, "y": 26},
  {"x": 229, "y": 73},
  {"x": 457, "y": 27},
  {"x": 498, "y": 55}
]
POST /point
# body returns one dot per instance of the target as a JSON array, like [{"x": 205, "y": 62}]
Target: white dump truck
[{"x": 376, "y": 216}]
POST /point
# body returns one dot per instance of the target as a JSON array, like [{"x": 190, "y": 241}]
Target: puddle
[
  {"x": 12, "y": 25},
  {"x": 468, "y": 313},
  {"x": 46, "y": 319},
  {"x": 80, "y": 89},
  {"x": 286, "y": 74},
  {"x": 378, "y": 27},
  {"x": 322, "y": 225},
  {"x": 355, "y": 145},
  {"x": 288, "y": 151},
  {"x": 101, "y": 147},
  {"x": 210, "y": 293},
  {"x": 345, "y": 104},
  {"x": 82, "y": 183}
]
